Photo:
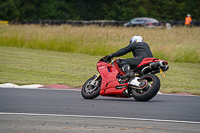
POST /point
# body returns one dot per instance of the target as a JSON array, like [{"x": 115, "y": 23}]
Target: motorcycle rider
[{"x": 140, "y": 51}]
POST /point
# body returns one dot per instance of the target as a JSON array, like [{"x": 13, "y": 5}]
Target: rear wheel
[
  {"x": 147, "y": 93},
  {"x": 91, "y": 91}
]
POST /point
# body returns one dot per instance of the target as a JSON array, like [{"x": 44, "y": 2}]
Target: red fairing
[
  {"x": 109, "y": 82},
  {"x": 146, "y": 61}
]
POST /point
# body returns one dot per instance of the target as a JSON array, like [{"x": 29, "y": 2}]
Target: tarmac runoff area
[{"x": 59, "y": 86}]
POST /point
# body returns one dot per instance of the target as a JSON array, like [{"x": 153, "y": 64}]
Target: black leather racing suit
[{"x": 139, "y": 50}]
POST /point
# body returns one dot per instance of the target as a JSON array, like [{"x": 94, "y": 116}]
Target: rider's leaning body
[{"x": 139, "y": 49}]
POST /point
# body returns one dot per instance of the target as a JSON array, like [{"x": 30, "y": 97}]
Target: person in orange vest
[{"x": 188, "y": 20}]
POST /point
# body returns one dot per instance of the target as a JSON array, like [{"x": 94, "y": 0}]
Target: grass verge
[{"x": 27, "y": 66}]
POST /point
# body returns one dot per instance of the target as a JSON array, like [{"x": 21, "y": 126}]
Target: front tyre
[
  {"x": 91, "y": 91},
  {"x": 149, "y": 91}
]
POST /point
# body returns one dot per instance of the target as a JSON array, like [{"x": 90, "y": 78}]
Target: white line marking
[
  {"x": 11, "y": 85},
  {"x": 102, "y": 117}
]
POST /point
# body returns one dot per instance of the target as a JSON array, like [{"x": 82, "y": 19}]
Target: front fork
[{"x": 94, "y": 81}]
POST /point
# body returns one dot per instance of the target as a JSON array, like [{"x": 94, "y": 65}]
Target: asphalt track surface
[{"x": 45, "y": 110}]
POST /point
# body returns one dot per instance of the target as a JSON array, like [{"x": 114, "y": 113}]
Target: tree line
[{"x": 122, "y": 10}]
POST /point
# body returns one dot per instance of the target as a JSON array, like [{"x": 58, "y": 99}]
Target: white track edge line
[{"x": 103, "y": 117}]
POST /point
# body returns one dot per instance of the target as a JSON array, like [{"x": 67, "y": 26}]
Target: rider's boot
[{"x": 128, "y": 72}]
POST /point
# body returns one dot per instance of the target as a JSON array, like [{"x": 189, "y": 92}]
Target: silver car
[{"x": 143, "y": 22}]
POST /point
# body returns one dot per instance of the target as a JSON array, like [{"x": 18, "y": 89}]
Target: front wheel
[
  {"x": 91, "y": 88},
  {"x": 152, "y": 88}
]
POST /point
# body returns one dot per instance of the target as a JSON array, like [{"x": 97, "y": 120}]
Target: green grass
[
  {"x": 177, "y": 44},
  {"x": 27, "y": 66},
  {"x": 181, "y": 77}
]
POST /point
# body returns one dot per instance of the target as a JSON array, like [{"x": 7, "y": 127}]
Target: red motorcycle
[{"x": 110, "y": 81}]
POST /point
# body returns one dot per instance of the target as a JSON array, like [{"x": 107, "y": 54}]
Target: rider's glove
[{"x": 109, "y": 57}]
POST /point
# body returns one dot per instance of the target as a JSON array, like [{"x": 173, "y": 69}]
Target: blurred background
[{"x": 122, "y": 11}]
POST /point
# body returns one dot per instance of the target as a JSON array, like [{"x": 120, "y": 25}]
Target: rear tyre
[
  {"x": 149, "y": 91},
  {"x": 89, "y": 91}
]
